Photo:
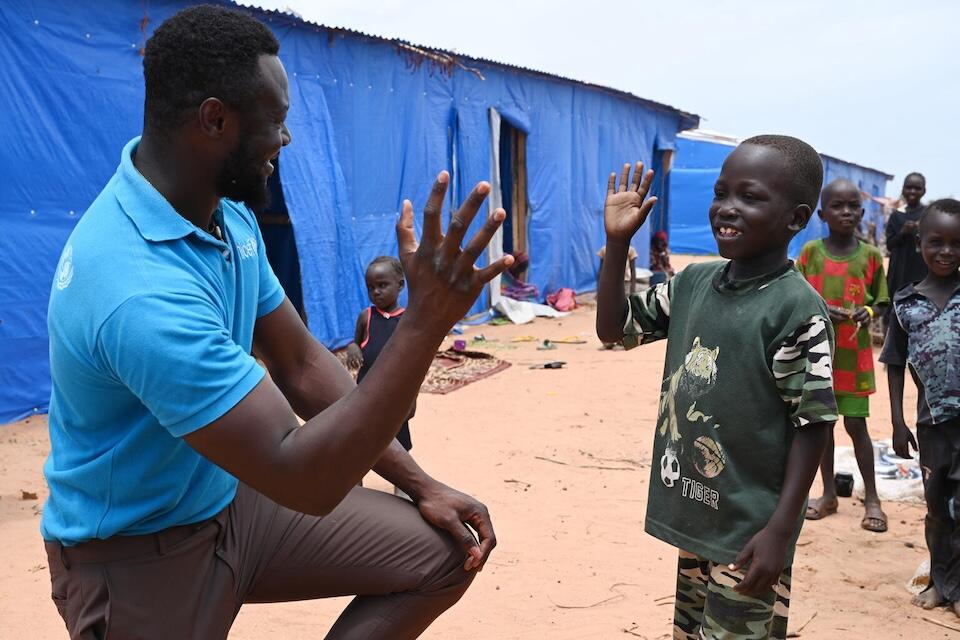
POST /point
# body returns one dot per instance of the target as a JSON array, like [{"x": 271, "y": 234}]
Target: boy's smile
[
  {"x": 940, "y": 243},
  {"x": 753, "y": 215}
]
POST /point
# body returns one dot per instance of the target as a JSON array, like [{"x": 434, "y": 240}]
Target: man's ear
[
  {"x": 799, "y": 217},
  {"x": 212, "y": 118}
]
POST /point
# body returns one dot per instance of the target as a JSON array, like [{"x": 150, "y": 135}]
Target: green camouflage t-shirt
[{"x": 748, "y": 362}]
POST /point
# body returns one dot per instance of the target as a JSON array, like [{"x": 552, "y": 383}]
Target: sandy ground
[{"x": 573, "y": 561}]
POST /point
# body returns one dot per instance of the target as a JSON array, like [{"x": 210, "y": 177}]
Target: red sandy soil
[{"x": 561, "y": 457}]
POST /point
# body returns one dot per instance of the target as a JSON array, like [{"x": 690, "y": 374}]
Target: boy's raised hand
[
  {"x": 627, "y": 206},
  {"x": 442, "y": 280}
]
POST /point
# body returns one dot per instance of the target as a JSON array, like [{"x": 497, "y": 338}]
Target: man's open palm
[{"x": 442, "y": 279}]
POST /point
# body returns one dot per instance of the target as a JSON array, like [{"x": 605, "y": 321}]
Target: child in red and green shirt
[{"x": 848, "y": 274}]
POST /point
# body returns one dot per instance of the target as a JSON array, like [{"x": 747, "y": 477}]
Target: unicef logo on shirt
[
  {"x": 248, "y": 248},
  {"x": 65, "y": 268}
]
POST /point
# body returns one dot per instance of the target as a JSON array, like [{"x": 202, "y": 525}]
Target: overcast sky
[{"x": 876, "y": 83}]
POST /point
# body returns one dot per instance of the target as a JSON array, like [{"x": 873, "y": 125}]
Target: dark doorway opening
[
  {"x": 280, "y": 243},
  {"x": 513, "y": 185}
]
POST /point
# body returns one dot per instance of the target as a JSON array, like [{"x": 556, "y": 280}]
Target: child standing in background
[
  {"x": 629, "y": 273},
  {"x": 906, "y": 263},
  {"x": 660, "y": 258},
  {"x": 377, "y": 323},
  {"x": 848, "y": 274},
  {"x": 925, "y": 334}
]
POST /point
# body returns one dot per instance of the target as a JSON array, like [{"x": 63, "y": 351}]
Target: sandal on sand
[
  {"x": 818, "y": 509},
  {"x": 875, "y": 523}
]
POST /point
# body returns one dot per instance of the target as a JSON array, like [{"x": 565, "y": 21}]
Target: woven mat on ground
[{"x": 452, "y": 370}]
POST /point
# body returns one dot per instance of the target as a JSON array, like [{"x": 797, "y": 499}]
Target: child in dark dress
[
  {"x": 377, "y": 323},
  {"x": 906, "y": 263}
]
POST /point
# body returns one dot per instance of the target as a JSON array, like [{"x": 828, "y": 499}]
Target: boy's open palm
[
  {"x": 442, "y": 280},
  {"x": 627, "y": 206}
]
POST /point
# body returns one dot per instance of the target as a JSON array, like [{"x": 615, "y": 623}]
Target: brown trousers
[{"x": 190, "y": 581}]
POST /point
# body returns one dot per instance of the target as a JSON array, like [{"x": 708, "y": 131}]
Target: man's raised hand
[
  {"x": 627, "y": 206},
  {"x": 443, "y": 282}
]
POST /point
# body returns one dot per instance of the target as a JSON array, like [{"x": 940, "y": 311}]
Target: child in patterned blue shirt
[{"x": 924, "y": 333}]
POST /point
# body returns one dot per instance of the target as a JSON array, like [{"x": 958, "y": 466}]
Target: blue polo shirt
[{"x": 151, "y": 325}]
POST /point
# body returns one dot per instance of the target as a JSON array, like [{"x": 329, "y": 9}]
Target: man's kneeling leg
[{"x": 403, "y": 571}]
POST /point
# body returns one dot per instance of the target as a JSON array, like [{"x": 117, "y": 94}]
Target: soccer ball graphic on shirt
[{"x": 669, "y": 468}]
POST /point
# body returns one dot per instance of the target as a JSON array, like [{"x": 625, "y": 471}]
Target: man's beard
[{"x": 241, "y": 179}]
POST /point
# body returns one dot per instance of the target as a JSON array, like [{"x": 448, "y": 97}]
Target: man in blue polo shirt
[{"x": 181, "y": 484}]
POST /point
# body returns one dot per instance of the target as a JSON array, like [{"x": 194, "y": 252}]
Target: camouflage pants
[{"x": 707, "y": 607}]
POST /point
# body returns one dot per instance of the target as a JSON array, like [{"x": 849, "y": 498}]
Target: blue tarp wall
[
  {"x": 697, "y": 167},
  {"x": 372, "y": 123}
]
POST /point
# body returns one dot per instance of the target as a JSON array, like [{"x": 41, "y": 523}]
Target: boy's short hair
[
  {"x": 833, "y": 184},
  {"x": 805, "y": 166},
  {"x": 949, "y": 206},
  {"x": 387, "y": 260}
]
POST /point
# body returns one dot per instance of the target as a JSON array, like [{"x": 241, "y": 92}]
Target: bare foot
[
  {"x": 956, "y": 607},
  {"x": 929, "y": 598},
  {"x": 821, "y": 508}
]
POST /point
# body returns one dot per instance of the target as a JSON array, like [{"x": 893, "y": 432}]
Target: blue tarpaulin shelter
[
  {"x": 373, "y": 121},
  {"x": 699, "y": 156}
]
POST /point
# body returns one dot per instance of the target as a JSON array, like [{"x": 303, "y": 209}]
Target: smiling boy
[
  {"x": 747, "y": 397},
  {"x": 925, "y": 333}
]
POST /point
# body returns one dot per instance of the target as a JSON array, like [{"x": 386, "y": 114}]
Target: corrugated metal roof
[
  {"x": 883, "y": 173},
  {"x": 687, "y": 120},
  {"x": 705, "y": 135}
]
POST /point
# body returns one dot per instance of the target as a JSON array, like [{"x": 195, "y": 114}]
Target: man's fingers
[
  {"x": 461, "y": 220},
  {"x": 406, "y": 237},
  {"x": 432, "y": 228},
  {"x": 468, "y": 543},
  {"x": 647, "y": 181},
  {"x": 637, "y": 176},
  {"x": 482, "y": 238},
  {"x": 482, "y": 524},
  {"x": 624, "y": 177},
  {"x": 611, "y": 183},
  {"x": 491, "y": 271}
]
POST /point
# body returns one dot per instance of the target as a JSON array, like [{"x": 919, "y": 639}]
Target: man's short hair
[
  {"x": 199, "y": 53},
  {"x": 806, "y": 168}
]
